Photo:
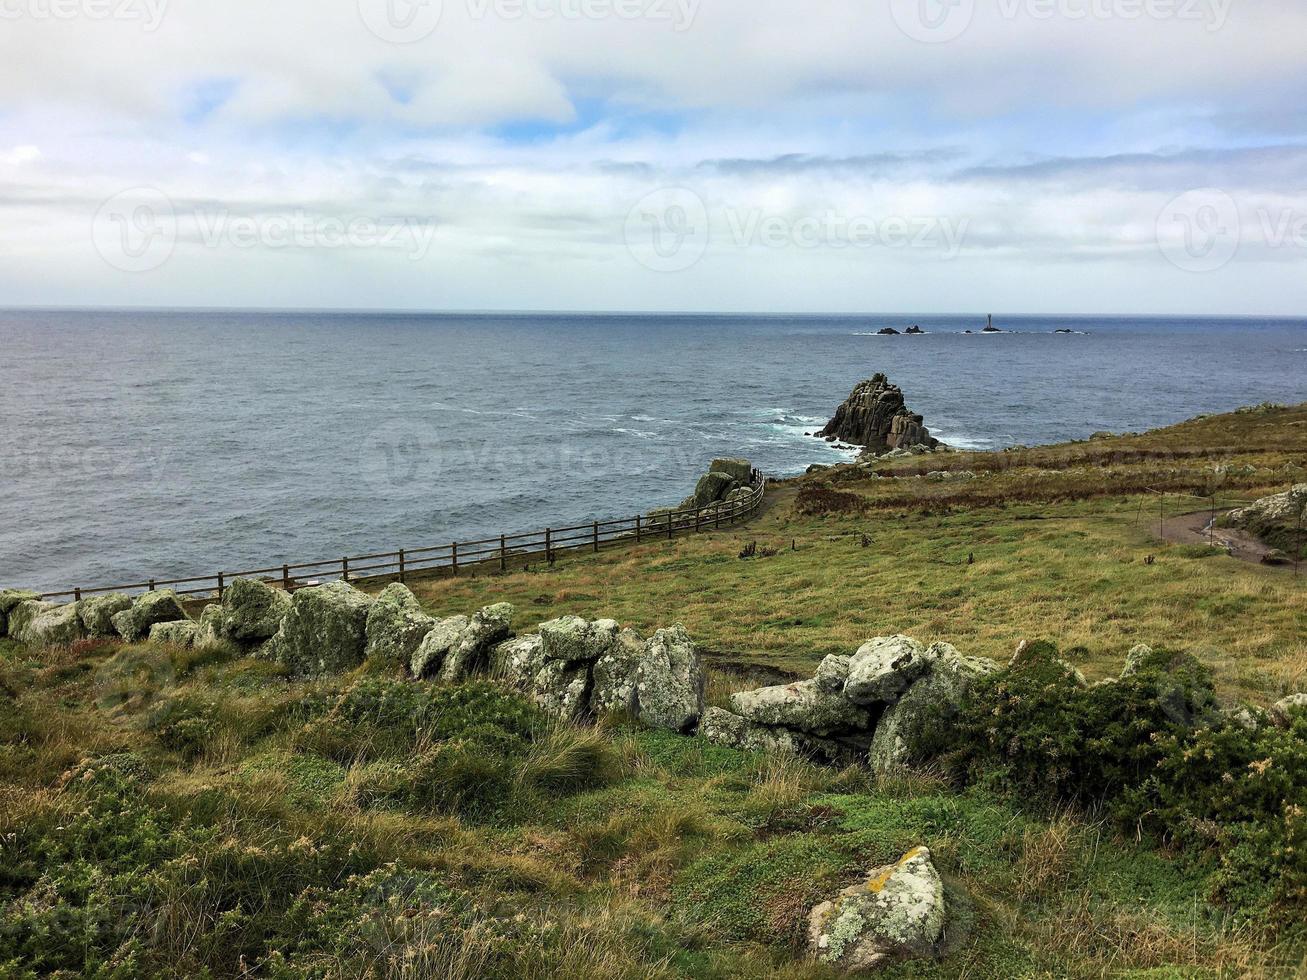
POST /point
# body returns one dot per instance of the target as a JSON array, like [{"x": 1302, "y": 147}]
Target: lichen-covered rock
[
  {"x": 252, "y": 610},
  {"x": 721, "y": 727},
  {"x": 617, "y": 675},
  {"x": 803, "y": 706},
  {"x": 1135, "y": 658},
  {"x": 1282, "y": 711},
  {"x": 739, "y": 470},
  {"x": 47, "y": 624},
  {"x": 9, "y": 598},
  {"x": 518, "y": 661},
  {"x": 898, "y": 912},
  {"x": 832, "y": 673},
  {"x": 670, "y": 684},
  {"x": 471, "y": 653},
  {"x": 883, "y": 668},
  {"x": 430, "y": 655},
  {"x": 571, "y": 638},
  {"x": 396, "y": 625},
  {"x": 563, "y": 689},
  {"x": 98, "y": 612},
  {"x": 179, "y": 633},
  {"x": 711, "y": 488},
  {"x": 23, "y": 612},
  {"x": 324, "y": 631},
  {"x": 1245, "y": 717},
  {"x": 133, "y": 624},
  {"x": 933, "y": 698},
  {"x": 1280, "y": 520}
]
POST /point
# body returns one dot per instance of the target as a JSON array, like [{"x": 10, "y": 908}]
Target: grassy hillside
[{"x": 191, "y": 813}]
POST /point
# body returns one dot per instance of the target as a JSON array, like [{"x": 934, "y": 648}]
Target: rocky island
[{"x": 876, "y": 416}]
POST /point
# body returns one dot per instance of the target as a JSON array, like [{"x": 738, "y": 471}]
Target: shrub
[{"x": 817, "y": 500}]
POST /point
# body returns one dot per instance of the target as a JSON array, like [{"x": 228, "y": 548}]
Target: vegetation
[{"x": 195, "y": 813}]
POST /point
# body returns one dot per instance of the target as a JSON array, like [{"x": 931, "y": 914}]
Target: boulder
[
  {"x": 617, "y": 675},
  {"x": 1280, "y": 520},
  {"x": 721, "y": 727},
  {"x": 47, "y": 624},
  {"x": 739, "y": 470},
  {"x": 932, "y": 699},
  {"x": 324, "y": 632},
  {"x": 711, "y": 488},
  {"x": 518, "y": 661},
  {"x": 98, "y": 612},
  {"x": 252, "y": 610},
  {"x": 887, "y": 332},
  {"x": 670, "y": 682},
  {"x": 162, "y": 606},
  {"x": 883, "y": 667},
  {"x": 898, "y": 912},
  {"x": 471, "y": 653},
  {"x": 396, "y": 626},
  {"x": 803, "y": 706},
  {"x": 180, "y": 633},
  {"x": 875, "y": 416},
  {"x": 1282, "y": 711},
  {"x": 563, "y": 689},
  {"x": 832, "y": 673},
  {"x": 9, "y": 598},
  {"x": 571, "y": 638},
  {"x": 1135, "y": 658},
  {"x": 430, "y": 655}
]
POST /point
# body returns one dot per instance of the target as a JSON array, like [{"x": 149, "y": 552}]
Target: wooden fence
[{"x": 488, "y": 554}]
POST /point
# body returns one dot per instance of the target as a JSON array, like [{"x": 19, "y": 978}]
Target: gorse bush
[{"x": 1153, "y": 748}]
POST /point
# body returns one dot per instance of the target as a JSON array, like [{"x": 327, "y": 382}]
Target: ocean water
[{"x": 166, "y": 444}]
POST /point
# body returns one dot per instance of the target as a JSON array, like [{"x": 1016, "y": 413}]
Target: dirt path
[{"x": 1194, "y": 529}]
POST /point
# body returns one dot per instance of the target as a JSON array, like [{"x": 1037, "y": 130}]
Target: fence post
[
  {"x": 717, "y": 515},
  {"x": 220, "y": 586},
  {"x": 549, "y": 551},
  {"x": 669, "y": 525},
  {"x": 401, "y": 564},
  {"x": 637, "y": 528},
  {"x": 77, "y": 595},
  {"x": 596, "y": 537},
  {"x": 503, "y": 554},
  {"x": 1161, "y": 513},
  {"x": 285, "y": 577},
  {"x": 151, "y": 584},
  {"x": 344, "y": 569},
  {"x": 453, "y": 558}
]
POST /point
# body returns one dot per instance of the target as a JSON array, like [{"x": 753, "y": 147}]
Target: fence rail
[{"x": 493, "y": 553}]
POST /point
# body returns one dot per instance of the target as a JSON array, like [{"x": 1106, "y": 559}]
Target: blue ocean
[{"x": 168, "y": 444}]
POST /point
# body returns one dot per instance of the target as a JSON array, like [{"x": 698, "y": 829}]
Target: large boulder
[
  {"x": 739, "y": 470},
  {"x": 252, "y": 610},
  {"x": 47, "y": 624},
  {"x": 711, "y": 488},
  {"x": 162, "y": 606},
  {"x": 98, "y": 613},
  {"x": 670, "y": 682},
  {"x": 180, "y": 633},
  {"x": 471, "y": 654},
  {"x": 563, "y": 689},
  {"x": 722, "y": 727},
  {"x": 1280, "y": 520},
  {"x": 323, "y": 632},
  {"x": 396, "y": 625},
  {"x": 570, "y": 638},
  {"x": 22, "y": 613},
  {"x": 9, "y": 598},
  {"x": 897, "y": 913},
  {"x": 884, "y": 667},
  {"x": 518, "y": 661},
  {"x": 617, "y": 675},
  {"x": 932, "y": 699},
  {"x": 803, "y": 706},
  {"x": 435, "y": 646}
]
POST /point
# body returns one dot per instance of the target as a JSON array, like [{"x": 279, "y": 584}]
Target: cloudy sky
[{"x": 827, "y": 155}]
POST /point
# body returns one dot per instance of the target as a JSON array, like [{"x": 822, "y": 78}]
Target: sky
[{"x": 1019, "y": 156}]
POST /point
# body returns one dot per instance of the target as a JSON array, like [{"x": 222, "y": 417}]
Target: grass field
[{"x": 192, "y": 813}]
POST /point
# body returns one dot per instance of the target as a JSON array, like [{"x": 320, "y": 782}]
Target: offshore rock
[{"x": 875, "y": 416}]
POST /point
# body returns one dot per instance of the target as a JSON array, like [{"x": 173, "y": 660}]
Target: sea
[{"x": 169, "y": 443}]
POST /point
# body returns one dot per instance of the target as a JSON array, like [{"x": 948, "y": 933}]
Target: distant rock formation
[
  {"x": 914, "y": 329},
  {"x": 887, "y": 332},
  {"x": 875, "y": 416}
]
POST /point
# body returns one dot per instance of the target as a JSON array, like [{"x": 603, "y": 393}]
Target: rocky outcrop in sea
[{"x": 876, "y": 416}]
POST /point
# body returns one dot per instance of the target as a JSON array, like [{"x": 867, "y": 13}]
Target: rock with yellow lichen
[{"x": 897, "y": 913}]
